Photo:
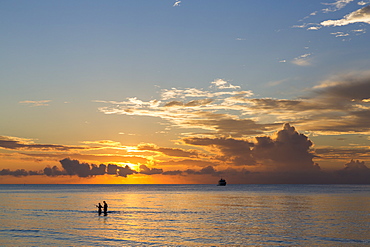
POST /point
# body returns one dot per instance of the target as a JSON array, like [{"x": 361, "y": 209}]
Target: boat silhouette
[{"x": 221, "y": 182}]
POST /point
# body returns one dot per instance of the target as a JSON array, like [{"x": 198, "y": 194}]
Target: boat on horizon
[{"x": 221, "y": 182}]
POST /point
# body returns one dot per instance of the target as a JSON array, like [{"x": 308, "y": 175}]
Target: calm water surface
[{"x": 185, "y": 215}]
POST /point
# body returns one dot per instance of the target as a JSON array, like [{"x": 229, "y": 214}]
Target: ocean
[{"x": 185, "y": 215}]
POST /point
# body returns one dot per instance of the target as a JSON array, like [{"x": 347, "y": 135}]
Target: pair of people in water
[{"x": 105, "y": 207}]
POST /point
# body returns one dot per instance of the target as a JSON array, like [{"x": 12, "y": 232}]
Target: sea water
[{"x": 185, "y": 215}]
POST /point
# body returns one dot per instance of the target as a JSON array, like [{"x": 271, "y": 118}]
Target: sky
[{"x": 184, "y": 92}]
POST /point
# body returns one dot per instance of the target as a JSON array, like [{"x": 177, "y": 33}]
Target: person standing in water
[
  {"x": 99, "y": 206},
  {"x": 105, "y": 207}
]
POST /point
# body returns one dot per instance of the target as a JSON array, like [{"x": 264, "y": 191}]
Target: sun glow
[{"x": 135, "y": 167}]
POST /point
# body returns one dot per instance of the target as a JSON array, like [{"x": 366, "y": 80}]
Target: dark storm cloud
[
  {"x": 290, "y": 150},
  {"x": 8, "y": 143}
]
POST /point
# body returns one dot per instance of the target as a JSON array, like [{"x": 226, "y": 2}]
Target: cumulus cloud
[
  {"x": 358, "y": 16},
  {"x": 74, "y": 167},
  {"x": 354, "y": 172},
  {"x": 289, "y": 151},
  {"x": 53, "y": 171}
]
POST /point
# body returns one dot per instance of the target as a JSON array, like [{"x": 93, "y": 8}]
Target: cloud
[
  {"x": 340, "y": 34},
  {"x": 354, "y": 172},
  {"x": 35, "y": 102},
  {"x": 358, "y": 16},
  {"x": 53, "y": 171},
  {"x": 150, "y": 171},
  {"x": 289, "y": 151},
  {"x": 125, "y": 171},
  {"x": 192, "y": 103},
  {"x": 337, "y": 105},
  {"x": 74, "y": 167},
  {"x": 14, "y": 143},
  {"x": 18, "y": 173},
  {"x": 191, "y": 108},
  {"x": 303, "y": 60},
  {"x": 228, "y": 150},
  {"x": 176, "y": 4},
  {"x": 190, "y": 163},
  {"x": 222, "y": 84},
  {"x": 169, "y": 151},
  {"x": 351, "y": 86},
  {"x": 285, "y": 157},
  {"x": 314, "y": 28},
  {"x": 209, "y": 170},
  {"x": 337, "y": 5}
]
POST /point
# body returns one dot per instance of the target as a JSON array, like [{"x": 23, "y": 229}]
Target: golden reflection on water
[{"x": 186, "y": 218}]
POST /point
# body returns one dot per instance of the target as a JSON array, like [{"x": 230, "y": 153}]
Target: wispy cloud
[
  {"x": 302, "y": 60},
  {"x": 35, "y": 102},
  {"x": 337, "y": 5},
  {"x": 14, "y": 143}
]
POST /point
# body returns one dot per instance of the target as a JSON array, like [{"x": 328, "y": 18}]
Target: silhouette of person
[
  {"x": 105, "y": 207},
  {"x": 99, "y": 206}
]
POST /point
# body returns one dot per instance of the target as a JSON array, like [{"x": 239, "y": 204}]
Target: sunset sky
[{"x": 161, "y": 91}]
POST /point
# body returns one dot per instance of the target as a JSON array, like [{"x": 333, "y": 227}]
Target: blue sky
[{"x": 70, "y": 70}]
